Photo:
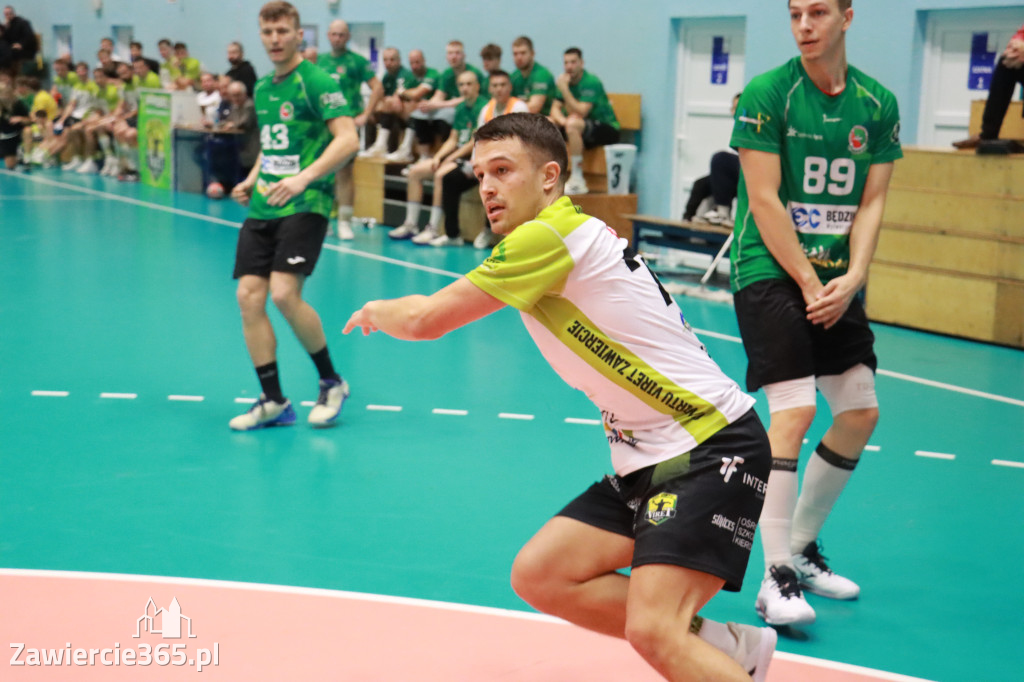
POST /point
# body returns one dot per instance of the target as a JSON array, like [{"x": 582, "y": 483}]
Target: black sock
[
  {"x": 270, "y": 382},
  {"x": 322, "y": 360}
]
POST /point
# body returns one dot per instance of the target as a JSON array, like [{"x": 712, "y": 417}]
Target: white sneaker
[
  {"x": 111, "y": 167},
  {"x": 428, "y": 234},
  {"x": 576, "y": 186},
  {"x": 815, "y": 575},
  {"x": 483, "y": 240},
  {"x": 754, "y": 648},
  {"x": 780, "y": 601},
  {"x": 376, "y": 150},
  {"x": 345, "y": 230},
  {"x": 404, "y": 231},
  {"x": 333, "y": 393},
  {"x": 37, "y": 156},
  {"x": 445, "y": 240},
  {"x": 264, "y": 413},
  {"x": 88, "y": 167},
  {"x": 719, "y": 215},
  {"x": 73, "y": 164},
  {"x": 399, "y": 156}
]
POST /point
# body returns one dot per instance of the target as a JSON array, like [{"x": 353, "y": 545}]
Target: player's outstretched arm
[
  {"x": 833, "y": 300},
  {"x": 421, "y": 318},
  {"x": 763, "y": 174}
]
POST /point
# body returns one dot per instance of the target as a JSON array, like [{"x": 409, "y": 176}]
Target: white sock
[
  {"x": 382, "y": 138},
  {"x": 777, "y": 515},
  {"x": 436, "y": 215},
  {"x": 408, "y": 137},
  {"x": 412, "y": 212},
  {"x": 345, "y": 214},
  {"x": 104, "y": 143},
  {"x": 577, "y": 167},
  {"x": 825, "y": 477}
]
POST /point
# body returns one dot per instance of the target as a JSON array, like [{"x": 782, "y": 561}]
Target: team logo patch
[
  {"x": 661, "y": 508},
  {"x": 287, "y": 111},
  {"x": 745, "y": 120},
  {"x": 340, "y": 70},
  {"x": 896, "y": 133},
  {"x": 858, "y": 139}
]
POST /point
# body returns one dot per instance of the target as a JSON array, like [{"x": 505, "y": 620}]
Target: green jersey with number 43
[
  {"x": 292, "y": 114},
  {"x": 826, "y": 145}
]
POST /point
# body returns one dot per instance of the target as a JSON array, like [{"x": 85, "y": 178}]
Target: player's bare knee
[
  {"x": 861, "y": 422},
  {"x": 285, "y": 298},
  {"x": 651, "y": 635}
]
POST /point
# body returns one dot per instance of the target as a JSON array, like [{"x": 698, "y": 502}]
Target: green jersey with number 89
[
  {"x": 292, "y": 114},
  {"x": 826, "y": 145}
]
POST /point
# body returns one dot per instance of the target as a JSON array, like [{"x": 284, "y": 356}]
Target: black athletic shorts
[
  {"x": 597, "y": 134},
  {"x": 782, "y": 344},
  {"x": 289, "y": 244},
  {"x": 429, "y": 130},
  {"x": 9, "y": 146},
  {"x": 698, "y": 510}
]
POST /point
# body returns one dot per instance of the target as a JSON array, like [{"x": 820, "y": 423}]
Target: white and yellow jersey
[{"x": 607, "y": 327}]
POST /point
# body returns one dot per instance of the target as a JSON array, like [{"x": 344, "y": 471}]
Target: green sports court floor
[{"x": 122, "y": 360}]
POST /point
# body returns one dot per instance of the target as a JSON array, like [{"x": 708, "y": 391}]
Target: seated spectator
[
  {"x": 14, "y": 116},
  {"x": 185, "y": 70},
  {"x": 1008, "y": 73},
  {"x": 241, "y": 70},
  {"x": 20, "y": 38},
  {"x": 146, "y": 77},
  {"x": 105, "y": 60},
  {"x": 136, "y": 51},
  {"x": 429, "y": 129},
  {"x": 34, "y": 136},
  {"x": 490, "y": 56},
  {"x": 31, "y": 91},
  {"x": 81, "y": 103},
  {"x": 720, "y": 185},
  {"x": 584, "y": 114},
  {"x": 124, "y": 128},
  {"x": 208, "y": 99},
  {"x": 531, "y": 82},
  {"x": 446, "y": 97},
  {"x": 394, "y": 108},
  {"x": 96, "y": 126},
  {"x": 166, "y": 48},
  {"x": 452, "y": 156},
  {"x": 241, "y": 118},
  {"x": 64, "y": 78}
]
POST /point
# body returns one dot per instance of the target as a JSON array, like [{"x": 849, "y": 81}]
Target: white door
[
  {"x": 710, "y": 72},
  {"x": 947, "y": 87}
]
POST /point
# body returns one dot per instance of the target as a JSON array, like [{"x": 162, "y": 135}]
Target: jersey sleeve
[
  {"x": 368, "y": 72},
  {"x": 327, "y": 98},
  {"x": 888, "y": 138},
  {"x": 526, "y": 265},
  {"x": 759, "y": 118}
]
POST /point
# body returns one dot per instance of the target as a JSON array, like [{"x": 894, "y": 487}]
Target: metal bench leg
[{"x": 714, "y": 262}]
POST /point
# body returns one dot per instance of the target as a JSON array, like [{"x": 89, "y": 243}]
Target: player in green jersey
[
  {"x": 393, "y": 109},
  {"x": 680, "y": 511},
  {"x": 350, "y": 71},
  {"x": 531, "y": 82},
  {"x": 306, "y": 132},
  {"x": 817, "y": 139},
  {"x": 585, "y": 114},
  {"x": 446, "y": 97}
]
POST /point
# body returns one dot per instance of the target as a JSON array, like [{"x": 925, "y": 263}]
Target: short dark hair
[
  {"x": 164, "y": 41},
  {"x": 499, "y": 73},
  {"x": 537, "y": 134},
  {"x": 180, "y": 46},
  {"x": 574, "y": 50},
  {"x": 135, "y": 43},
  {"x": 279, "y": 9},
  {"x": 490, "y": 51},
  {"x": 241, "y": 50},
  {"x": 843, "y": 4}
]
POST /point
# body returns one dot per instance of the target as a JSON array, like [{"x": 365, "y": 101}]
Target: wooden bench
[
  {"x": 1013, "y": 124},
  {"x": 627, "y": 111}
]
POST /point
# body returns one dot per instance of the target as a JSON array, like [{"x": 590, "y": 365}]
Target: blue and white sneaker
[
  {"x": 264, "y": 413},
  {"x": 333, "y": 393}
]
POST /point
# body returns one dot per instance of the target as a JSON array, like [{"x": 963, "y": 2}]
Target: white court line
[
  {"x": 1008, "y": 463},
  {"x": 513, "y": 415},
  {"x": 51, "y": 394},
  {"x": 385, "y": 408},
  {"x": 246, "y": 401},
  {"x": 308, "y": 403},
  {"x": 457, "y": 413},
  {"x": 456, "y": 275},
  {"x": 120, "y": 396},
  {"x": 46, "y": 197},
  {"x": 934, "y": 455},
  {"x": 872, "y": 448},
  {"x": 577, "y": 420},
  {"x": 187, "y": 398},
  {"x": 387, "y": 599}
]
